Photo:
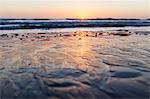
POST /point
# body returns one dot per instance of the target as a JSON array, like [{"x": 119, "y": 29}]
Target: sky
[{"x": 74, "y": 8}]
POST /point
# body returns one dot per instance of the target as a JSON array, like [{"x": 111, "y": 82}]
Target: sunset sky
[{"x": 74, "y": 8}]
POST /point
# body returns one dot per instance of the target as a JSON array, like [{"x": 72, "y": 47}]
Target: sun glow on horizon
[
  {"x": 82, "y": 18},
  {"x": 74, "y": 9}
]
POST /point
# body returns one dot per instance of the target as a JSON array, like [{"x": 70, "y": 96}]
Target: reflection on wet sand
[
  {"x": 83, "y": 50},
  {"x": 75, "y": 66}
]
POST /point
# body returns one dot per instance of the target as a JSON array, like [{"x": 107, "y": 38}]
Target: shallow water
[
  {"x": 76, "y": 67},
  {"x": 94, "y": 29}
]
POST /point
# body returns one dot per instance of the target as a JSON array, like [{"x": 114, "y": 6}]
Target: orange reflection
[
  {"x": 81, "y": 34},
  {"x": 83, "y": 51},
  {"x": 43, "y": 47}
]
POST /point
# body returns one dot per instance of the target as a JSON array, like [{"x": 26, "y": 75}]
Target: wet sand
[{"x": 77, "y": 65}]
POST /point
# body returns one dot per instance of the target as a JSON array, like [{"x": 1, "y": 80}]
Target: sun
[{"x": 82, "y": 18}]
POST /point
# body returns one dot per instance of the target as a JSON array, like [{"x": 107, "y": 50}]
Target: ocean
[{"x": 62, "y": 25}]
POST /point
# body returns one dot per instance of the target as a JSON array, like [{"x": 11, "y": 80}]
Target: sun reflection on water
[{"x": 83, "y": 51}]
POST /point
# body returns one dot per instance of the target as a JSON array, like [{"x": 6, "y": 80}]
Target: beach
[
  {"x": 75, "y": 65},
  {"x": 74, "y": 49}
]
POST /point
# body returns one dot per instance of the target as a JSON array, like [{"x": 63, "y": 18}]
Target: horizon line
[{"x": 69, "y": 18}]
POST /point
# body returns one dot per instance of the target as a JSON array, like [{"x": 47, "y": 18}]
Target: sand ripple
[{"x": 76, "y": 67}]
